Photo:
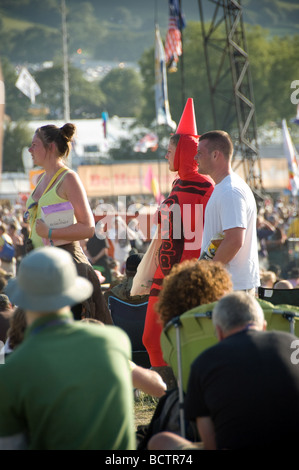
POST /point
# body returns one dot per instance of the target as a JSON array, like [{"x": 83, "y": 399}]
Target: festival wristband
[{"x": 50, "y": 236}]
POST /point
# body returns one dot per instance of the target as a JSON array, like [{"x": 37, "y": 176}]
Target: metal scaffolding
[{"x": 225, "y": 34}]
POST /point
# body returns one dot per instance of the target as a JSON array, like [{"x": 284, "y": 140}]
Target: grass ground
[{"x": 144, "y": 407}]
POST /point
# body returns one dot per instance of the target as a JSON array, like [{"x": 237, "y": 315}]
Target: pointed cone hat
[{"x": 187, "y": 124}]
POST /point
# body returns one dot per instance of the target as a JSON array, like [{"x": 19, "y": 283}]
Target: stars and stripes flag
[
  {"x": 290, "y": 153},
  {"x": 161, "y": 93},
  {"x": 173, "y": 42}
]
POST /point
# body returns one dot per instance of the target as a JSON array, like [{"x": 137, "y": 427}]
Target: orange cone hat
[{"x": 187, "y": 124}]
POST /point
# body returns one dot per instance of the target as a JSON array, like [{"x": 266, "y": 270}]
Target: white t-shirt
[{"x": 231, "y": 205}]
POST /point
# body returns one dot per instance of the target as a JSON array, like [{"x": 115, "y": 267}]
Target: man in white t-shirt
[{"x": 231, "y": 210}]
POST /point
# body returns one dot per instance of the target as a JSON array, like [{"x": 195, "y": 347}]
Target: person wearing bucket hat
[
  {"x": 53, "y": 396},
  {"x": 182, "y": 238}
]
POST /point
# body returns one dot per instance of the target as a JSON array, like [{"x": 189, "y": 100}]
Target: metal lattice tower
[{"x": 226, "y": 36}]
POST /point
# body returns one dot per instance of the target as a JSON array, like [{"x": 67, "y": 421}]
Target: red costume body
[{"x": 181, "y": 218}]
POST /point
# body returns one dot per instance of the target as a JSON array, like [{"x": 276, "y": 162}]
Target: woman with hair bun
[{"x": 50, "y": 147}]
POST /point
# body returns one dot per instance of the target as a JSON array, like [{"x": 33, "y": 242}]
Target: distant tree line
[{"x": 274, "y": 64}]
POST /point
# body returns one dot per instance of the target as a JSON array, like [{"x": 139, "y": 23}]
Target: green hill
[{"x": 30, "y": 30}]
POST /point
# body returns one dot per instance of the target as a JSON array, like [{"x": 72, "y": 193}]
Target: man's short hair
[
  {"x": 219, "y": 140},
  {"x": 236, "y": 310}
]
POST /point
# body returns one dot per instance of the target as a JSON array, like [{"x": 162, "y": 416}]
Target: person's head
[
  {"x": 170, "y": 154},
  {"x": 283, "y": 284},
  {"x": 189, "y": 284},
  {"x": 47, "y": 281},
  {"x": 12, "y": 228},
  {"x": 51, "y": 137},
  {"x": 132, "y": 263},
  {"x": 3, "y": 282},
  {"x": 215, "y": 150},
  {"x": 236, "y": 311},
  {"x": 180, "y": 154},
  {"x": 268, "y": 278},
  {"x": 17, "y": 328},
  {"x": 5, "y": 303}
]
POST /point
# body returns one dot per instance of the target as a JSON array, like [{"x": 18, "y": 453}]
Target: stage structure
[{"x": 230, "y": 83}]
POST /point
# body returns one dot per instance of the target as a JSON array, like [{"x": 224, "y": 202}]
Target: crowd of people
[{"x": 68, "y": 377}]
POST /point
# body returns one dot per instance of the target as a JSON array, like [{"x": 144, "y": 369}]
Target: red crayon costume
[{"x": 181, "y": 217}]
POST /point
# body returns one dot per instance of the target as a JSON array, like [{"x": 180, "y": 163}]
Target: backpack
[
  {"x": 166, "y": 418},
  {"x": 8, "y": 252}
]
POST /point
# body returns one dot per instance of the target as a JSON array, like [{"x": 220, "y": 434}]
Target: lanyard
[{"x": 34, "y": 205}]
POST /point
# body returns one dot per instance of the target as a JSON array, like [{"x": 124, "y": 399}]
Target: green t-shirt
[{"x": 68, "y": 386}]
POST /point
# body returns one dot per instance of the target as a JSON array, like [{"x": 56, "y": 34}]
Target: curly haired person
[{"x": 192, "y": 283}]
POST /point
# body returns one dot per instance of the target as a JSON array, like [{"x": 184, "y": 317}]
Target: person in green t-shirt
[{"x": 68, "y": 385}]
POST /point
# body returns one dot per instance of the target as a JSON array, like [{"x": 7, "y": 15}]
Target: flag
[
  {"x": 290, "y": 153},
  {"x": 152, "y": 184},
  {"x": 149, "y": 141},
  {"x": 27, "y": 85},
  {"x": 173, "y": 42},
  {"x": 161, "y": 94},
  {"x": 105, "y": 119}
]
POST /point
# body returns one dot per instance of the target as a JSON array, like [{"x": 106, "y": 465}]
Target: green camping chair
[{"x": 187, "y": 336}]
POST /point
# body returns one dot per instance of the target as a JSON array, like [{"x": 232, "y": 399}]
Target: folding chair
[
  {"x": 280, "y": 305},
  {"x": 187, "y": 336},
  {"x": 131, "y": 318}
]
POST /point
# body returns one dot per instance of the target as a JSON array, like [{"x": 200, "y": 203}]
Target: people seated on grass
[{"x": 122, "y": 290}]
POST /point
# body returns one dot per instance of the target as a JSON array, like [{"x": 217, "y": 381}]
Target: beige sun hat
[{"x": 47, "y": 280}]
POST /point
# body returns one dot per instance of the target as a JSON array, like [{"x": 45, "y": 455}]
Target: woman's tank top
[{"x": 50, "y": 197}]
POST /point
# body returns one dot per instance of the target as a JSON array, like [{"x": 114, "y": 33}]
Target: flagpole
[
  {"x": 182, "y": 63},
  {"x": 2, "y": 110},
  {"x": 65, "y": 69}
]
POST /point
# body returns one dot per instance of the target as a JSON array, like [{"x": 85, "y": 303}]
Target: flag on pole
[
  {"x": 27, "y": 85},
  {"x": 173, "y": 42},
  {"x": 290, "y": 153},
  {"x": 105, "y": 119},
  {"x": 161, "y": 94},
  {"x": 152, "y": 184}
]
